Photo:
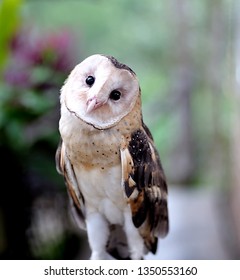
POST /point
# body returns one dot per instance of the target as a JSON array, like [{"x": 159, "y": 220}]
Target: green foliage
[
  {"x": 30, "y": 87},
  {"x": 9, "y": 9},
  {"x": 37, "y": 65}
]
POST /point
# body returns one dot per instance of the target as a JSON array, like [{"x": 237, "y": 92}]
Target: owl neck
[{"x": 132, "y": 121}]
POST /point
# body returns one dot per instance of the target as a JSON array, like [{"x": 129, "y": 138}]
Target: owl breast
[
  {"x": 95, "y": 156},
  {"x": 103, "y": 192},
  {"x": 98, "y": 149}
]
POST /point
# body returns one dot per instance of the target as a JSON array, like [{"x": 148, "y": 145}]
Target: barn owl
[{"x": 107, "y": 156}]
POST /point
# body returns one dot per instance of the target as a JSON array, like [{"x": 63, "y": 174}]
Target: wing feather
[
  {"x": 65, "y": 168},
  {"x": 145, "y": 186}
]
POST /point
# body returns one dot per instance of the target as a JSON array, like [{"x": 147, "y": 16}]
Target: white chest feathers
[{"x": 103, "y": 192}]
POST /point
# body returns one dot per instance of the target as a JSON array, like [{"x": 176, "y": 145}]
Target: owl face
[{"x": 100, "y": 91}]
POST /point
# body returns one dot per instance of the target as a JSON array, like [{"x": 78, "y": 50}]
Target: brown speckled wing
[
  {"x": 65, "y": 168},
  {"x": 145, "y": 186}
]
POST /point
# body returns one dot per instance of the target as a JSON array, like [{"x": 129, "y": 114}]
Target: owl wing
[
  {"x": 65, "y": 168},
  {"x": 145, "y": 186}
]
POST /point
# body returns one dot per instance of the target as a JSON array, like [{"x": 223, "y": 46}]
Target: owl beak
[{"x": 93, "y": 103}]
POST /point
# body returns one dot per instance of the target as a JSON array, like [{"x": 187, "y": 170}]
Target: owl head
[{"x": 100, "y": 91}]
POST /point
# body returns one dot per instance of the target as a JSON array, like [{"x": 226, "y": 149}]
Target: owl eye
[
  {"x": 90, "y": 80},
  {"x": 115, "y": 95}
]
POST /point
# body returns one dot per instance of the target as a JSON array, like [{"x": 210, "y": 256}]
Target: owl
[{"x": 106, "y": 154}]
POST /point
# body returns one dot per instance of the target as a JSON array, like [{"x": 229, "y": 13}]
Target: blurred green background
[{"x": 187, "y": 58}]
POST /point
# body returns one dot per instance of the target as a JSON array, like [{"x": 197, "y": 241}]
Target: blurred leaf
[
  {"x": 36, "y": 103},
  {"x": 41, "y": 74},
  {"x": 9, "y": 21},
  {"x": 15, "y": 137}
]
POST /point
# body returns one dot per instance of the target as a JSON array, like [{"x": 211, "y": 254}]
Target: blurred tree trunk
[
  {"x": 216, "y": 57},
  {"x": 214, "y": 52},
  {"x": 235, "y": 137},
  {"x": 183, "y": 156}
]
